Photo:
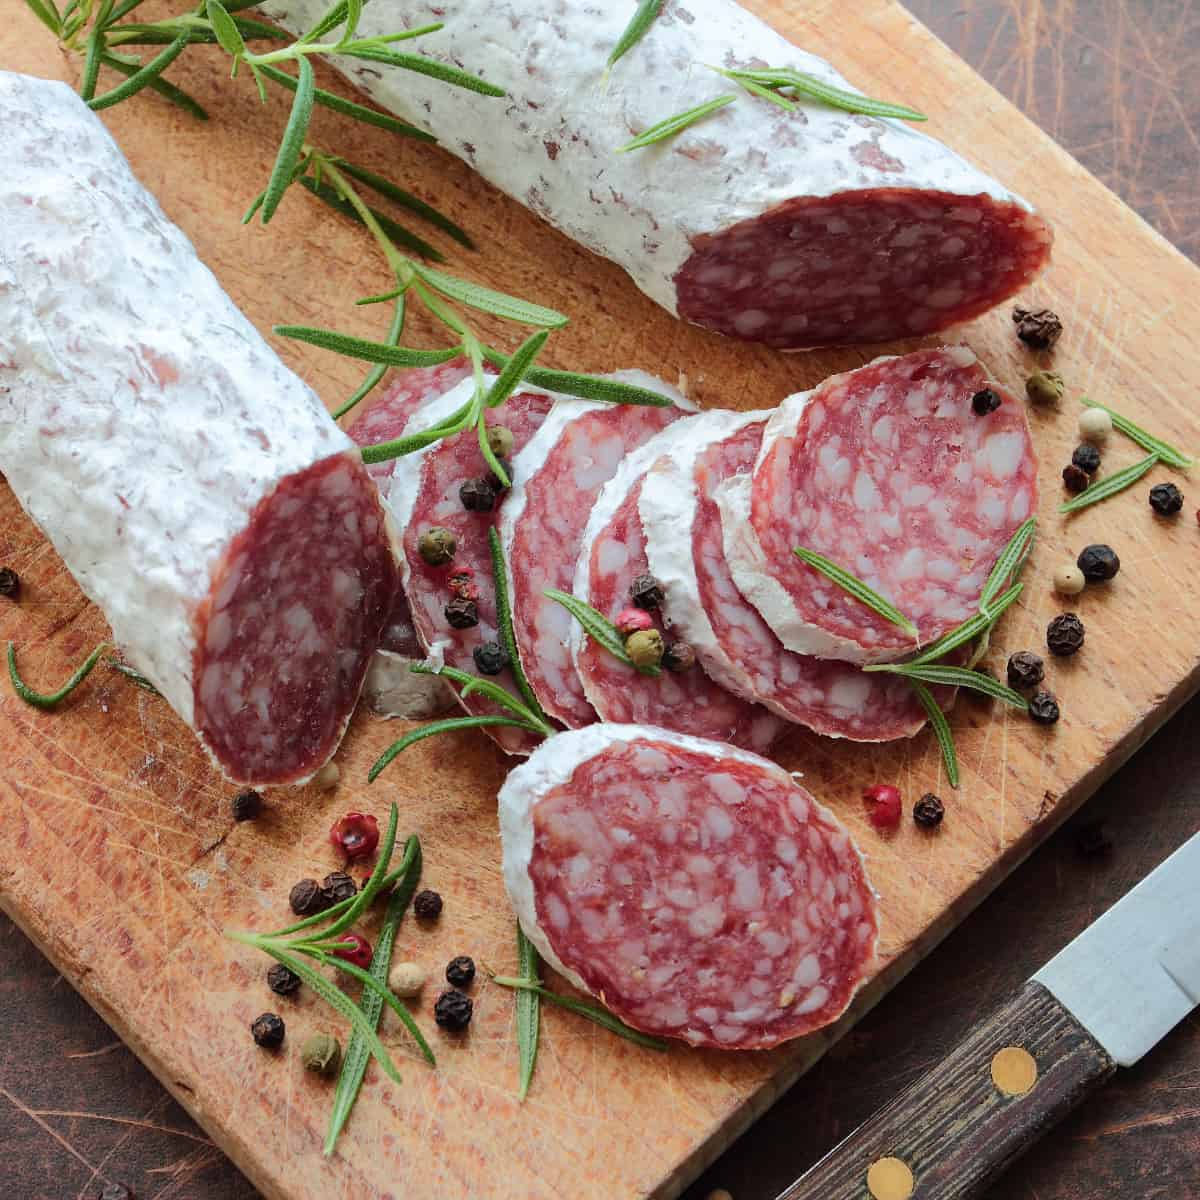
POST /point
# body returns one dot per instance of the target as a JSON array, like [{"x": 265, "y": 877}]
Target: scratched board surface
[{"x": 122, "y": 860}]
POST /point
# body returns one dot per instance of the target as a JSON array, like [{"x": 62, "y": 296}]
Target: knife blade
[{"x": 1101, "y": 1003}]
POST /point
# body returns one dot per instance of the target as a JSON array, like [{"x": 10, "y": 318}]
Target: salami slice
[
  {"x": 803, "y": 228},
  {"x": 698, "y": 891},
  {"x": 892, "y": 473},
  {"x": 556, "y": 480},
  {"x": 612, "y": 554},
  {"x": 684, "y": 545},
  {"x": 197, "y": 490}
]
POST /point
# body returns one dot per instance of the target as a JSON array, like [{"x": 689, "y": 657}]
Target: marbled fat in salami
[
  {"x": 890, "y": 472},
  {"x": 699, "y": 891}
]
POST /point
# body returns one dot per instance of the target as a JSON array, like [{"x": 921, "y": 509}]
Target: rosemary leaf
[
  {"x": 1006, "y": 565},
  {"x": 505, "y": 626},
  {"x": 969, "y": 630},
  {"x": 147, "y": 76},
  {"x": 332, "y": 18},
  {"x": 493, "y": 691},
  {"x": 645, "y": 16},
  {"x": 407, "y": 200},
  {"x": 353, "y": 16},
  {"x": 529, "y": 1005},
  {"x": 411, "y": 443},
  {"x": 91, "y": 63},
  {"x": 52, "y": 699},
  {"x": 1110, "y": 485},
  {"x": 393, "y": 229},
  {"x": 676, "y": 124},
  {"x": 515, "y": 369},
  {"x": 374, "y": 352},
  {"x": 292, "y": 144},
  {"x": 593, "y": 1012},
  {"x": 255, "y": 205},
  {"x": 370, "y": 889},
  {"x": 765, "y": 93},
  {"x": 599, "y": 628},
  {"x": 226, "y": 30},
  {"x": 941, "y": 730},
  {"x": 149, "y": 35},
  {"x": 835, "y": 97},
  {"x": 474, "y": 295},
  {"x": 364, "y": 389},
  {"x": 449, "y": 725},
  {"x": 47, "y": 13},
  {"x": 587, "y": 387},
  {"x": 427, "y": 66},
  {"x": 134, "y": 677},
  {"x": 974, "y": 681},
  {"x": 856, "y": 588},
  {"x": 1168, "y": 453}
]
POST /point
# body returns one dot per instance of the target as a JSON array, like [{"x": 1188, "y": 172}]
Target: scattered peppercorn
[
  {"x": 356, "y": 834},
  {"x": 645, "y": 648},
  {"x": 354, "y": 949},
  {"x": 246, "y": 806},
  {"x": 427, "y": 905},
  {"x": 462, "y": 583},
  {"x": 1064, "y": 635},
  {"x": 1069, "y": 580},
  {"x": 679, "y": 656},
  {"x": 1045, "y": 387},
  {"x": 1166, "y": 499},
  {"x": 283, "y": 981},
  {"x": 1025, "y": 669},
  {"x": 268, "y": 1030},
  {"x": 10, "y": 583},
  {"x": 1043, "y": 709},
  {"x": 1095, "y": 425},
  {"x": 490, "y": 658},
  {"x": 500, "y": 440},
  {"x": 308, "y": 898},
  {"x": 1075, "y": 479},
  {"x": 929, "y": 811},
  {"x": 437, "y": 546},
  {"x": 321, "y": 1054},
  {"x": 884, "y": 806},
  {"x": 478, "y": 495},
  {"x": 633, "y": 620},
  {"x": 460, "y": 971},
  {"x": 495, "y": 479},
  {"x": 338, "y": 886},
  {"x": 1040, "y": 329},
  {"x": 1092, "y": 840},
  {"x": 1086, "y": 457},
  {"x": 116, "y": 1191},
  {"x": 406, "y": 978},
  {"x": 984, "y": 402},
  {"x": 646, "y": 592},
  {"x": 453, "y": 1010},
  {"x": 1098, "y": 563},
  {"x": 462, "y": 613}
]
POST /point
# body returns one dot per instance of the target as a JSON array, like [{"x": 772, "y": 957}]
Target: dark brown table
[{"x": 1116, "y": 82}]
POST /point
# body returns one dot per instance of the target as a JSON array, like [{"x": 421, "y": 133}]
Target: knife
[{"x": 1119, "y": 988}]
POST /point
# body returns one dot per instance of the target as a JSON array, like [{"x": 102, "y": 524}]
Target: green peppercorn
[
  {"x": 437, "y": 546},
  {"x": 1045, "y": 387},
  {"x": 645, "y": 648},
  {"x": 321, "y": 1053},
  {"x": 500, "y": 440}
]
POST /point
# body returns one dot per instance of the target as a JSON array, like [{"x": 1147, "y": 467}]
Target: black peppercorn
[
  {"x": 246, "y": 806},
  {"x": 116, "y": 1191},
  {"x": 1166, "y": 499},
  {"x": 460, "y": 971},
  {"x": 427, "y": 905},
  {"x": 1043, "y": 709},
  {"x": 490, "y": 658},
  {"x": 283, "y": 981},
  {"x": 478, "y": 495},
  {"x": 678, "y": 656},
  {"x": 1075, "y": 479},
  {"x": 1086, "y": 457},
  {"x": 453, "y": 1010},
  {"x": 1025, "y": 669},
  {"x": 929, "y": 811},
  {"x": 462, "y": 613},
  {"x": 984, "y": 402},
  {"x": 338, "y": 886},
  {"x": 495, "y": 479},
  {"x": 307, "y": 898},
  {"x": 1039, "y": 330},
  {"x": 645, "y": 592},
  {"x": 10, "y": 583},
  {"x": 1092, "y": 841},
  {"x": 1064, "y": 635},
  {"x": 268, "y": 1031},
  {"x": 1098, "y": 563}
]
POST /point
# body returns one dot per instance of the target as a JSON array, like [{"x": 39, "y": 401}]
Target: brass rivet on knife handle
[
  {"x": 1014, "y": 1071},
  {"x": 890, "y": 1179}
]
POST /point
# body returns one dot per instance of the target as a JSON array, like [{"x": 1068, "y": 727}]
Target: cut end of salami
[
  {"x": 698, "y": 891},
  {"x": 296, "y": 609},
  {"x": 862, "y": 266}
]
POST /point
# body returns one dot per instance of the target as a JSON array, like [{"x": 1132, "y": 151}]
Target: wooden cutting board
[{"x": 121, "y": 859}]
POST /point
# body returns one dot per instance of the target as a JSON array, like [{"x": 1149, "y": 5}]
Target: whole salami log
[
  {"x": 612, "y": 555},
  {"x": 796, "y": 229},
  {"x": 894, "y": 473},
  {"x": 684, "y": 545},
  {"x": 556, "y": 480},
  {"x": 698, "y": 891},
  {"x": 196, "y": 489}
]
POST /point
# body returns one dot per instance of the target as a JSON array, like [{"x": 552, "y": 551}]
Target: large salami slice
[
  {"x": 698, "y": 891},
  {"x": 798, "y": 229},
  {"x": 556, "y": 480},
  {"x": 684, "y": 545},
  {"x": 895, "y": 473},
  {"x": 197, "y": 490},
  {"x": 612, "y": 555}
]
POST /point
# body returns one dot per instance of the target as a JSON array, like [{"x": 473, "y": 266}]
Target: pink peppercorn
[
  {"x": 633, "y": 620},
  {"x": 883, "y": 805},
  {"x": 358, "y": 950},
  {"x": 356, "y": 834}
]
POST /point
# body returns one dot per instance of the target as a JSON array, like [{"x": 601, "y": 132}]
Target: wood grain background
[{"x": 65, "y": 1145}]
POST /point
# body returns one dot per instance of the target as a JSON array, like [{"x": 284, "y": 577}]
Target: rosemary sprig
[
  {"x": 980, "y": 625},
  {"x": 936, "y": 673},
  {"x": 799, "y": 83},
  {"x": 599, "y": 628},
  {"x": 639, "y": 24},
  {"x": 586, "y": 387},
  {"x": 1168, "y": 453},
  {"x": 529, "y": 1009},
  {"x": 49, "y": 700},
  {"x": 368, "y": 385},
  {"x": 135, "y": 677},
  {"x": 676, "y": 124},
  {"x": 855, "y": 587},
  {"x": 1008, "y": 565},
  {"x": 941, "y": 730},
  {"x": 373, "y": 352},
  {"x": 1110, "y": 485}
]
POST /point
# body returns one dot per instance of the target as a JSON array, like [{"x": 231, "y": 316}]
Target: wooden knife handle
[{"x": 954, "y": 1130}]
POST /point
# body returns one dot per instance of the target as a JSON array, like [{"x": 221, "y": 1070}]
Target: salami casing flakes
[
  {"x": 699, "y": 891},
  {"x": 196, "y": 489},
  {"x": 891, "y": 473},
  {"x": 797, "y": 229}
]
